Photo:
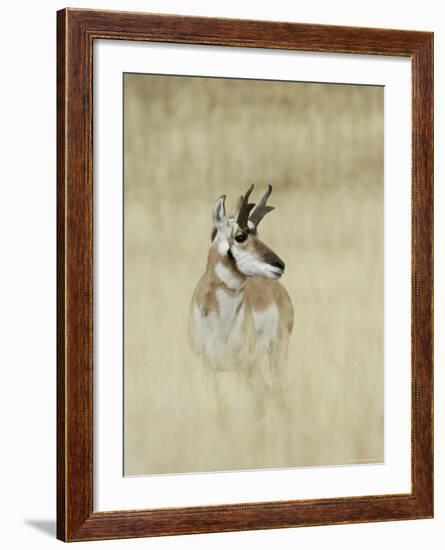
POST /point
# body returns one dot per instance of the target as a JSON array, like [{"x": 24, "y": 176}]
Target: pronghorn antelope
[{"x": 240, "y": 314}]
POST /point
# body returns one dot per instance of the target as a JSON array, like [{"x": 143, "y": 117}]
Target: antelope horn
[
  {"x": 244, "y": 209},
  {"x": 262, "y": 209}
]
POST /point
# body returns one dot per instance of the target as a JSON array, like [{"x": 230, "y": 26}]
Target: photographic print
[
  {"x": 244, "y": 275},
  {"x": 253, "y": 274}
]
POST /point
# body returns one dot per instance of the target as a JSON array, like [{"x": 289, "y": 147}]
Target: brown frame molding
[{"x": 76, "y": 31}]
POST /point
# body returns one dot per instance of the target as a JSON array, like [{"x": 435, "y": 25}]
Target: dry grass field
[{"x": 189, "y": 140}]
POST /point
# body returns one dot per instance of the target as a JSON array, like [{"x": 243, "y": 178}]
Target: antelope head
[{"x": 237, "y": 237}]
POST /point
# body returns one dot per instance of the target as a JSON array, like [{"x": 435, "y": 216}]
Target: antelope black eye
[{"x": 241, "y": 237}]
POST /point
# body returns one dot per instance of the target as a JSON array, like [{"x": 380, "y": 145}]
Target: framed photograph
[{"x": 245, "y": 275}]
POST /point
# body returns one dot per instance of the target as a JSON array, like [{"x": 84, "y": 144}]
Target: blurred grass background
[{"x": 188, "y": 140}]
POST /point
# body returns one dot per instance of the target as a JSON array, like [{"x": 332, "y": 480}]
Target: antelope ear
[{"x": 219, "y": 213}]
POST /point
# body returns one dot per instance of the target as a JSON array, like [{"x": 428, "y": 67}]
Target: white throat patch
[{"x": 228, "y": 277}]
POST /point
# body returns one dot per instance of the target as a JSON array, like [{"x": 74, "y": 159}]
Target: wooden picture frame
[{"x": 76, "y": 32}]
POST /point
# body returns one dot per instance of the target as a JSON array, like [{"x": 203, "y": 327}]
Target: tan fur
[
  {"x": 256, "y": 296},
  {"x": 205, "y": 292}
]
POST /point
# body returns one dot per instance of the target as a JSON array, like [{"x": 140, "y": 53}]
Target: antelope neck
[{"x": 227, "y": 276}]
